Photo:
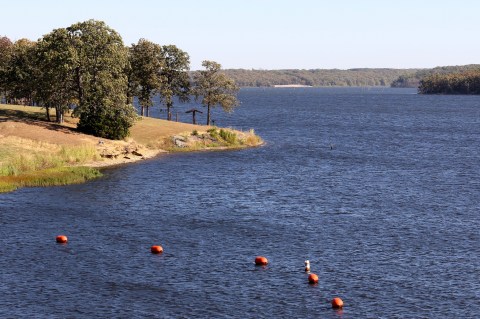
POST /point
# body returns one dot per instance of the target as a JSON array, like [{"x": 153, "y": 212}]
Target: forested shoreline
[
  {"x": 467, "y": 82},
  {"x": 413, "y": 80},
  {"x": 463, "y": 79},
  {"x": 318, "y": 77},
  {"x": 146, "y": 68}
]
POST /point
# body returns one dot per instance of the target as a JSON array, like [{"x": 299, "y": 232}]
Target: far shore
[
  {"x": 33, "y": 150},
  {"x": 292, "y": 86}
]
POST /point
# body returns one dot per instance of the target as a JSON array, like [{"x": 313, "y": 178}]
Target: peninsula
[{"x": 35, "y": 152}]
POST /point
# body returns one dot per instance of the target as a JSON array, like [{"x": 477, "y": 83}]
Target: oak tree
[
  {"x": 215, "y": 88},
  {"x": 54, "y": 72},
  {"x": 174, "y": 77},
  {"x": 145, "y": 62},
  {"x": 100, "y": 83}
]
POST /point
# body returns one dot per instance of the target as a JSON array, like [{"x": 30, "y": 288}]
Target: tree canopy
[
  {"x": 412, "y": 80},
  {"x": 215, "y": 88},
  {"x": 175, "y": 80},
  {"x": 99, "y": 64},
  {"x": 54, "y": 72},
  {"x": 467, "y": 82},
  {"x": 83, "y": 66},
  {"x": 146, "y": 63},
  {"x": 5, "y": 56}
]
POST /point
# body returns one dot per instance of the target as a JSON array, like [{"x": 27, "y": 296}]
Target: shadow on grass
[{"x": 38, "y": 119}]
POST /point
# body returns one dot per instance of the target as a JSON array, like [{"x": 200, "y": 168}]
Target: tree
[
  {"x": 146, "y": 62},
  {"x": 100, "y": 83},
  {"x": 215, "y": 88},
  {"x": 5, "y": 56},
  {"x": 174, "y": 77},
  {"x": 19, "y": 74},
  {"x": 55, "y": 69}
]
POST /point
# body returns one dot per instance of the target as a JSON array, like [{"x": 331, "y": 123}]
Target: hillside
[{"x": 412, "y": 80}]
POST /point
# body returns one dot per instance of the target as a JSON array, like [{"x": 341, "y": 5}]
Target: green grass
[
  {"x": 228, "y": 136},
  {"x": 23, "y": 161},
  {"x": 215, "y": 139},
  {"x": 48, "y": 177},
  {"x": 43, "y": 164}
]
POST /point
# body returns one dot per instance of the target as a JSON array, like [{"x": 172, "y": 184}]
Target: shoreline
[
  {"x": 34, "y": 152},
  {"x": 152, "y": 154}
]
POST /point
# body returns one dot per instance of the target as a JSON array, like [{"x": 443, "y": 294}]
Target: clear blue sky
[{"x": 275, "y": 34}]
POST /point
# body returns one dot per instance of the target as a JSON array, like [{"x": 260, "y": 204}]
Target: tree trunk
[
  {"x": 59, "y": 114},
  {"x": 169, "y": 114},
  {"x": 148, "y": 111},
  {"x": 47, "y": 109},
  {"x": 143, "y": 110},
  {"x": 208, "y": 114}
]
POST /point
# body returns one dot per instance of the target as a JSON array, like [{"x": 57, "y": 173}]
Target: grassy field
[{"x": 34, "y": 152}]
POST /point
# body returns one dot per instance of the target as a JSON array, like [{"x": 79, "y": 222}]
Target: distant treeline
[
  {"x": 467, "y": 82},
  {"x": 445, "y": 79},
  {"x": 412, "y": 80},
  {"x": 318, "y": 77}
]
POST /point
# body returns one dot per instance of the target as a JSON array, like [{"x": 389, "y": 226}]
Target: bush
[
  {"x": 228, "y": 136},
  {"x": 112, "y": 122},
  {"x": 213, "y": 133}
]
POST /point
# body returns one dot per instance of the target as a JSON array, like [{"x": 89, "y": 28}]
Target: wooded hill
[
  {"x": 467, "y": 82},
  {"x": 412, "y": 80},
  {"x": 318, "y": 77}
]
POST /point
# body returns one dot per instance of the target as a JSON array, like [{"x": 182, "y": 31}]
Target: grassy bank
[
  {"x": 25, "y": 162},
  {"x": 34, "y": 152},
  {"x": 212, "y": 139},
  {"x": 48, "y": 177}
]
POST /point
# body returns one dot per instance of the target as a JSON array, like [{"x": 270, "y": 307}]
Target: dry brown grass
[{"x": 151, "y": 132}]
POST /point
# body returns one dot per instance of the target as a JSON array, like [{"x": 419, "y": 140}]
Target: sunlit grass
[
  {"x": 25, "y": 162},
  {"x": 214, "y": 139},
  {"x": 48, "y": 177},
  {"x": 25, "y": 155}
]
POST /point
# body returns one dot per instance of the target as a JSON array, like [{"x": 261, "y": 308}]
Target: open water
[{"x": 378, "y": 188}]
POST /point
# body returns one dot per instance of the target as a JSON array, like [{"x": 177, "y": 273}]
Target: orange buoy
[
  {"x": 261, "y": 261},
  {"x": 61, "y": 239},
  {"x": 337, "y": 303},
  {"x": 156, "y": 249},
  {"x": 313, "y": 279}
]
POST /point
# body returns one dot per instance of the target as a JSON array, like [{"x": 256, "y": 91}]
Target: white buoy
[{"x": 307, "y": 265}]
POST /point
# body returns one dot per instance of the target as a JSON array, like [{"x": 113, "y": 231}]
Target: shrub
[
  {"x": 213, "y": 133},
  {"x": 107, "y": 121},
  {"x": 228, "y": 136}
]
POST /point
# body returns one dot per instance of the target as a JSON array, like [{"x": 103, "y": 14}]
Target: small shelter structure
[{"x": 194, "y": 111}]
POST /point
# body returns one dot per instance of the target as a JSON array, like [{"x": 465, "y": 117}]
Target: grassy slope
[{"x": 34, "y": 152}]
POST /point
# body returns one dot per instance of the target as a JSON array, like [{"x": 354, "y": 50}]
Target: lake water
[{"x": 378, "y": 188}]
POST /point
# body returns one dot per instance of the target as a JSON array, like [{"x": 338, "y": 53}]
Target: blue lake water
[{"x": 378, "y": 188}]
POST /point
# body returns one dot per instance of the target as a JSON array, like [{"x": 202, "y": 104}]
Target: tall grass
[
  {"x": 40, "y": 164},
  {"x": 49, "y": 177},
  {"x": 228, "y": 136},
  {"x": 252, "y": 139},
  {"x": 26, "y": 161}
]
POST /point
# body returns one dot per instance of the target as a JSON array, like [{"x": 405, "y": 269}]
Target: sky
[{"x": 274, "y": 34}]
